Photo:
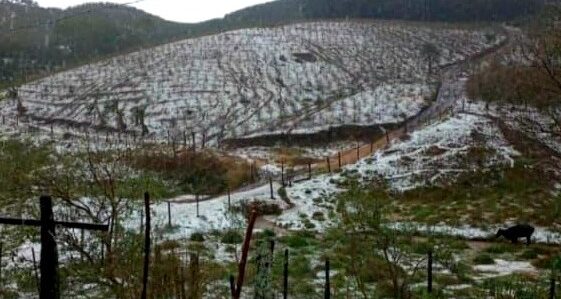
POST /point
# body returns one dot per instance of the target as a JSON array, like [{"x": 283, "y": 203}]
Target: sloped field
[{"x": 298, "y": 78}]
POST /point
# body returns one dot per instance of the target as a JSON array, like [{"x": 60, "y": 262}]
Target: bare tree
[{"x": 430, "y": 53}]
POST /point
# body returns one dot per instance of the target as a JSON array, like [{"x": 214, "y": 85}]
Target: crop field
[{"x": 293, "y": 79}]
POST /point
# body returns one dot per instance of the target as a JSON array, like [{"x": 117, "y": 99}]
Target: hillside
[
  {"x": 36, "y": 40},
  {"x": 295, "y": 79},
  {"x": 418, "y": 10}
]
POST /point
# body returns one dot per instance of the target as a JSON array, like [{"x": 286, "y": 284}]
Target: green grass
[
  {"x": 483, "y": 259},
  {"x": 501, "y": 248}
]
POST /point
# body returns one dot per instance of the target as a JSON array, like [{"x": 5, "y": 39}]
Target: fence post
[
  {"x": 232, "y": 286},
  {"x": 552, "y": 288},
  {"x": 339, "y": 158},
  {"x": 193, "y": 135},
  {"x": 197, "y": 200},
  {"x": 387, "y": 137},
  {"x": 285, "y": 276},
  {"x": 1, "y": 285},
  {"x": 229, "y": 200},
  {"x": 358, "y": 152},
  {"x": 309, "y": 170},
  {"x": 327, "y": 282},
  {"x": 49, "y": 255},
  {"x": 169, "y": 214},
  {"x": 282, "y": 173},
  {"x": 271, "y": 187},
  {"x": 146, "y": 246},
  {"x": 429, "y": 273},
  {"x": 328, "y": 164}
]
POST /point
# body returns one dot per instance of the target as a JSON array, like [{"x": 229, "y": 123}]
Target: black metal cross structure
[{"x": 50, "y": 288}]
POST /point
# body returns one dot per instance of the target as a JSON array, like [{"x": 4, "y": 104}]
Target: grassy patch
[
  {"x": 483, "y": 259},
  {"x": 196, "y": 172},
  {"x": 482, "y": 198}
]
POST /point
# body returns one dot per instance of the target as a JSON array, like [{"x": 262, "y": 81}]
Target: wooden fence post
[
  {"x": 237, "y": 289},
  {"x": 271, "y": 187},
  {"x": 146, "y": 246},
  {"x": 169, "y": 214},
  {"x": 327, "y": 294},
  {"x": 229, "y": 199},
  {"x": 282, "y": 173},
  {"x": 49, "y": 255},
  {"x": 197, "y": 201},
  {"x": 429, "y": 273},
  {"x": 339, "y": 159},
  {"x": 285, "y": 276},
  {"x": 1, "y": 285},
  {"x": 358, "y": 152},
  {"x": 232, "y": 286},
  {"x": 193, "y": 136},
  {"x": 328, "y": 164},
  {"x": 552, "y": 288}
]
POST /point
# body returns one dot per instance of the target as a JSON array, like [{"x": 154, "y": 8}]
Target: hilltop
[{"x": 37, "y": 41}]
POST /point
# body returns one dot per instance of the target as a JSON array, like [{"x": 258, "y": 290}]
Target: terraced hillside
[{"x": 294, "y": 79}]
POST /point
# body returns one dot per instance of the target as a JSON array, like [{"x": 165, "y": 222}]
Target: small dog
[{"x": 516, "y": 232}]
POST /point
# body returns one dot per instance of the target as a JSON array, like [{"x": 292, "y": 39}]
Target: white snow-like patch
[
  {"x": 213, "y": 213},
  {"x": 309, "y": 198},
  {"x": 504, "y": 268},
  {"x": 541, "y": 234},
  {"x": 270, "y": 170},
  {"x": 432, "y": 154},
  {"x": 438, "y": 153},
  {"x": 295, "y": 78}
]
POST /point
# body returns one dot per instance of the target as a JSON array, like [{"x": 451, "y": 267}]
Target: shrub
[
  {"x": 318, "y": 216},
  {"x": 298, "y": 240},
  {"x": 499, "y": 249},
  {"x": 483, "y": 259},
  {"x": 529, "y": 254},
  {"x": 197, "y": 237},
  {"x": 232, "y": 237}
]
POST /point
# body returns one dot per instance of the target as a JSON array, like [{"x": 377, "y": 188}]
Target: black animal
[{"x": 516, "y": 232}]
